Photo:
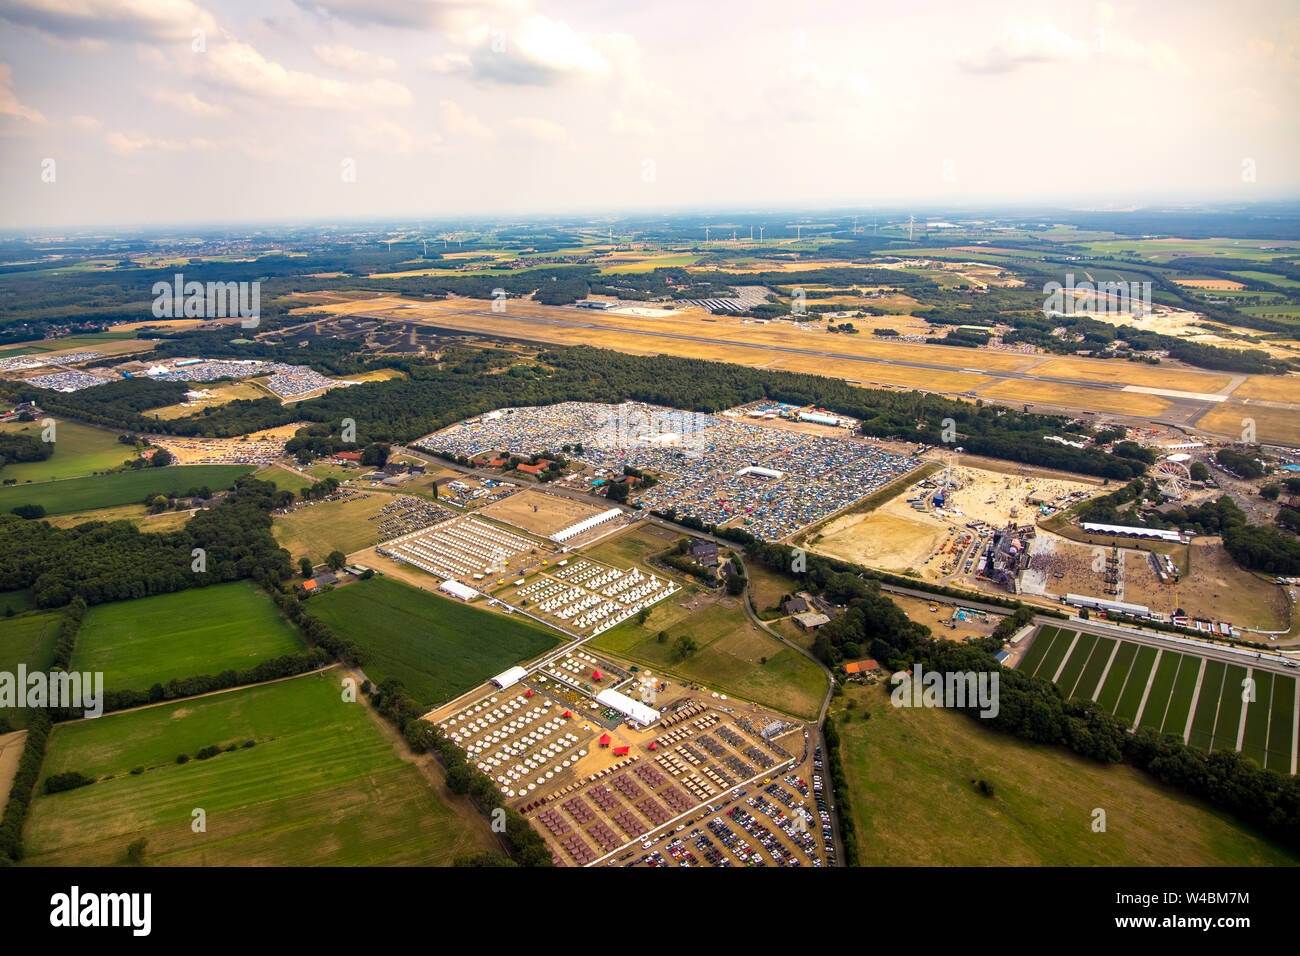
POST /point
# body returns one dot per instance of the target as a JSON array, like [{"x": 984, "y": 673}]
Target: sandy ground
[
  {"x": 537, "y": 512},
  {"x": 11, "y": 751},
  {"x": 937, "y": 621},
  {"x": 896, "y": 537}
]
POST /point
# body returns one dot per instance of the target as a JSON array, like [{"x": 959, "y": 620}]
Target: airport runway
[{"x": 1183, "y": 412}]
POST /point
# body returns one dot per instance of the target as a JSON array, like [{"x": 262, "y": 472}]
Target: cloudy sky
[{"x": 182, "y": 111}]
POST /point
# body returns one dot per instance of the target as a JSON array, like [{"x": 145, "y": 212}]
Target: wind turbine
[
  {"x": 911, "y": 221},
  {"x": 760, "y": 233}
]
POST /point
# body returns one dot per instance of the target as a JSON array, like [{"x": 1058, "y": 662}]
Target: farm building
[{"x": 811, "y": 621}]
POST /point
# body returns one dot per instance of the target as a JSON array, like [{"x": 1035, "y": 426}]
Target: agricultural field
[
  {"x": 106, "y": 342},
  {"x": 119, "y": 488},
  {"x": 78, "y": 450},
  {"x": 27, "y": 639},
  {"x": 315, "y": 530},
  {"x": 913, "y": 771},
  {"x": 322, "y": 785},
  {"x": 437, "y": 647},
  {"x": 1191, "y": 697},
  {"x": 200, "y": 631}
]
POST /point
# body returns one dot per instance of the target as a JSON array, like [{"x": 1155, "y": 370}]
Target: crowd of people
[{"x": 801, "y": 478}]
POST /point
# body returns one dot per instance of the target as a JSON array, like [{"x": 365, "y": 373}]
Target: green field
[
  {"x": 316, "y": 530},
  {"x": 730, "y": 658},
  {"x": 1177, "y": 681},
  {"x": 78, "y": 450},
  {"x": 201, "y": 631},
  {"x": 1153, "y": 711},
  {"x": 120, "y": 488},
  {"x": 1207, "y": 708},
  {"x": 911, "y": 773},
  {"x": 438, "y": 647},
  {"x": 86, "y": 342},
  {"x": 27, "y": 639},
  {"x": 322, "y": 786}
]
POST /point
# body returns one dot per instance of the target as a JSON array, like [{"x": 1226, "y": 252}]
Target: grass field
[
  {"x": 322, "y": 786},
  {"x": 1076, "y": 396},
  {"x": 78, "y": 450},
  {"x": 27, "y": 639},
  {"x": 138, "y": 515},
  {"x": 438, "y": 647},
  {"x": 200, "y": 631},
  {"x": 316, "y": 530},
  {"x": 1155, "y": 689},
  {"x": 734, "y": 656},
  {"x": 120, "y": 488},
  {"x": 1271, "y": 424},
  {"x": 221, "y": 394},
  {"x": 94, "y": 341},
  {"x": 911, "y": 773}
]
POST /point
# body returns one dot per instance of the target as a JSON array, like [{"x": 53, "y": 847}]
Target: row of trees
[{"x": 102, "y": 561}]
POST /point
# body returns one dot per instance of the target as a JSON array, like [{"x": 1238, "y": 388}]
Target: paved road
[
  {"x": 820, "y": 738},
  {"x": 1183, "y": 410}
]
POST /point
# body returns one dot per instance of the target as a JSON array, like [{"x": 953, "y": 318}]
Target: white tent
[
  {"x": 509, "y": 678},
  {"x": 628, "y": 707},
  {"x": 456, "y": 589}
]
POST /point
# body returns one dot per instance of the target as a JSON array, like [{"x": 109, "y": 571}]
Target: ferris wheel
[{"x": 1172, "y": 476}]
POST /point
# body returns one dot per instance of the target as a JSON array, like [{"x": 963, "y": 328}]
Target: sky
[{"x": 177, "y": 111}]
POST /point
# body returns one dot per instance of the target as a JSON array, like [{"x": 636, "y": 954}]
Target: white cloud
[
  {"x": 1024, "y": 44},
  {"x": 532, "y": 50},
  {"x": 386, "y": 136},
  {"x": 110, "y": 19},
  {"x": 354, "y": 60},
  {"x": 187, "y": 102},
  {"x": 9, "y": 104},
  {"x": 459, "y": 123},
  {"x": 409, "y": 13},
  {"x": 540, "y": 130},
  {"x": 128, "y": 144},
  {"x": 241, "y": 67}
]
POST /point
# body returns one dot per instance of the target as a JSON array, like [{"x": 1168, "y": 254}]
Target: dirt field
[
  {"x": 1130, "y": 373},
  {"x": 1214, "y": 587},
  {"x": 1271, "y": 424},
  {"x": 937, "y": 621},
  {"x": 537, "y": 512},
  {"x": 1102, "y": 400},
  {"x": 1219, "y": 284},
  {"x": 1273, "y": 388},
  {"x": 221, "y": 394},
  {"x": 11, "y": 751},
  {"x": 1217, "y": 588},
  {"x": 896, "y": 537}
]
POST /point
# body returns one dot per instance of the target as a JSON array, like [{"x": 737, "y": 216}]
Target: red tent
[
  {"x": 620, "y": 751},
  {"x": 604, "y": 740},
  {"x": 653, "y": 745},
  {"x": 567, "y": 714},
  {"x": 528, "y": 693},
  {"x": 595, "y": 675}
]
